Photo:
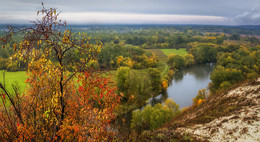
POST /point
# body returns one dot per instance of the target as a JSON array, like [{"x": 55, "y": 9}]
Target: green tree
[
  {"x": 176, "y": 61},
  {"x": 153, "y": 117},
  {"x": 189, "y": 60},
  {"x": 204, "y": 53},
  {"x": 123, "y": 77},
  {"x": 248, "y": 61},
  {"x": 169, "y": 103},
  {"x": 155, "y": 77},
  {"x": 221, "y": 74}
]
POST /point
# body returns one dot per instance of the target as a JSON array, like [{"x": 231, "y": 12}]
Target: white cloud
[{"x": 119, "y": 18}]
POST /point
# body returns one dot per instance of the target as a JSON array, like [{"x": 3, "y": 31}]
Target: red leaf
[{"x": 4, "y": 96}]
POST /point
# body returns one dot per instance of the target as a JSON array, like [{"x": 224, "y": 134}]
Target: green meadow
[
  {"x": 18, "y": 77},
  {"x": 181, "y": 51}
]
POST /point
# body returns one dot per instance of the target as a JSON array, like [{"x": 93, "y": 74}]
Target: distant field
[
  {"x": 159, "y": 54},
  {"x": 181, "y": 51},
  {"x": 13, "y": 77}
]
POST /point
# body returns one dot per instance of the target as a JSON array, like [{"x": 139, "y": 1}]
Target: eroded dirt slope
[{"x": 231, "y": 116}]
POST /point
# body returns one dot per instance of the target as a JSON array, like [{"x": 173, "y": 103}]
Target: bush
[
  {"x": 225, "y": 85},
  {"x": 169, "y": 103},
  {"x": 12, "y": 66},
  {"x": 176, "y": 61},
  {"x": 153, "y": 117},
  {"x": 201, "y": 96},
  {"x": 252, "y": 75},
  {"x": 171, "y": 73},
  {"x": 3, "y": 63},
  {"x": 164, "y": 84}
]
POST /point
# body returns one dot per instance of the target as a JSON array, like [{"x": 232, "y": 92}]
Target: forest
[{"x": 93, "y": 82}]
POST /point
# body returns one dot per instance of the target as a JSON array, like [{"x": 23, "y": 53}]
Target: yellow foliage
[
  {"x": 119, "y": 59},
  {"x": 211, "y": 38},
  {"x": 130, "y": 63}
]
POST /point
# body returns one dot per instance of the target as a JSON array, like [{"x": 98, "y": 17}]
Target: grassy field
[
  {"x": 12, "y": 78},
  {"x": 20, "y": 77},
  {"x": 181, "y": 51},
  {"x": 158, "y": 52}
]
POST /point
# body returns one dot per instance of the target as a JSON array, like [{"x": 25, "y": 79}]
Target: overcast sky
[{"x": 216, "y": 12}]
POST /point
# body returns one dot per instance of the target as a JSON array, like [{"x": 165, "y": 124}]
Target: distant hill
[{"x": 240, "y": 29}]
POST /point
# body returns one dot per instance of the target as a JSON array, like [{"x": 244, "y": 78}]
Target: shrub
[
  {"x": 252, "y": 75},
  {"x": 171, "y": 73},
  {"x": 225, "y": 85},
  {"x": 153, "y": 117},
  {"x": 169, "y": 103},
  {"x": 3, "y": 63},
  {"x": 164, "y": 84},
  {"x": 12, "y": 66},
  {"x": 176, "y": 61},
  {"x": 200, "y": 98}
]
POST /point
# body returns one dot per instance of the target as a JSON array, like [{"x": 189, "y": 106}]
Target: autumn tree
[
  {"x": 176, "y": 61},
  {"x": 204, "y": 53},
  {"x": 189, "y": 60},
  {"x": 155, "y": 76},
  {"x": 200, "y": 98},
  {"x": 221, "y": 74},
  {"x": 58, "y": 104},
  {"x": 133, "y": 86}
]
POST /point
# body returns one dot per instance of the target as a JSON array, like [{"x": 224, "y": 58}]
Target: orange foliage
[
  {"x": 165, "y": 84},
  {"x": 200, "y": 101},
  {"x": 89, "y": 109},
  {"x": 90, "y": 112},
  {"x": 57, "y": 106}
]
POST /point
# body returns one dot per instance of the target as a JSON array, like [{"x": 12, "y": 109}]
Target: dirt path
[{"x": 165, "y": 69}]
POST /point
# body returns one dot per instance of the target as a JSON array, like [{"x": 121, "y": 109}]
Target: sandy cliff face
[
  {"x": 239, "y": 123},
  {"x": 233, "y": 115}
]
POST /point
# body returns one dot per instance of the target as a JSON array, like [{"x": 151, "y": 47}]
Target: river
[{"x": 186, "y": 84}]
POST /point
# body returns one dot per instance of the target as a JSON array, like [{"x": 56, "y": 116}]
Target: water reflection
[
  {"x": 186, "y": 84},
  {"x": 159, "y": 99}
]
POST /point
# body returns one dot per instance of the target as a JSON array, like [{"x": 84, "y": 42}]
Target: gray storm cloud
[
  {"x": 220, "y": 12},
  {"x": 249, "y": 17}
]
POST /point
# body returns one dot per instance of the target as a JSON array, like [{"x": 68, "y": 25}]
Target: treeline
[
  {"x": 168, "y": 36},
  {"x": 113, "y": 56},
  {"x": 198, "y": 53},
  {"x": 123, "y": 44},
  {"x": 234, "y": 62}
]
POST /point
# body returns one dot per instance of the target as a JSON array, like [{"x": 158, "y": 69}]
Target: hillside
[{"x": 233, "y": 115}]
